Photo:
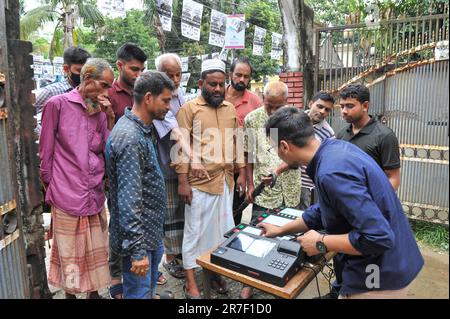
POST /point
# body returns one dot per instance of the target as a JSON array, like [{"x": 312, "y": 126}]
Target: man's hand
[
  {"x": 249, "y": 197},
  {"x": 308, "y": 242},
  {"x": 199, "y": 171},
  {"x": 269, "y": 230},
  {"x": 185, "y": 192},
  {"x": 241, "y": 183},
  {"x": 140, "y": 267},
  {"x": 105, "y": 106}
]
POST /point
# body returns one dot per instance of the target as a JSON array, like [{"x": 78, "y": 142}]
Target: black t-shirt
[{"x": 377, "y": 140}]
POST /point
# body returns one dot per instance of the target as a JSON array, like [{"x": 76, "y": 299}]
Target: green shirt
[{"x": 265, "y": 159}]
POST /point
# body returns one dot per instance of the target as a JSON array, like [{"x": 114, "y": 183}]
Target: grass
[{"x": 433, "y": 235}]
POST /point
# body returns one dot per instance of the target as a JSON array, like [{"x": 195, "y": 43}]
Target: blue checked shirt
[{"x": 137, "y": 191}]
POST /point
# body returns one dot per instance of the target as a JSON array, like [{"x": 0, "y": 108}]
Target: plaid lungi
[
  {"x": 79, "y": 255},
  {"x": 174, "y": 221}
]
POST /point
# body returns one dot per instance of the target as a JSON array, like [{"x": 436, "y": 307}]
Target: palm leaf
[
  {"x": 35, "y": 19},
  {"x": 90, "y": 14}
]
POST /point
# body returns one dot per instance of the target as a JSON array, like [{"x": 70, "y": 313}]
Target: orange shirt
[{"x": 247, "y": 103}]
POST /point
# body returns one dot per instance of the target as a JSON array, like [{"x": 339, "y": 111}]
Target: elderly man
[
  {"x": 261, "y": 160},
  {"x": 244, "y": 102},
  {"x": 170, "y": 64},
  {"x": 138, "y": 201},
  {"x": 73, "y": 137},
  {"x": 206, "y": 181}
]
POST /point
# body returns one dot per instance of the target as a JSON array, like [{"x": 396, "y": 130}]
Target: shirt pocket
[{"x": 96, "y": 143}]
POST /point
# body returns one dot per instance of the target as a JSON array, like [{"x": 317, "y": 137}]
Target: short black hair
[
  {"x": 356, "y": 91},
  {"x": 293, "y": 125},
  {"x": 75, "y": 55},
  {"x": 130, "y": 51},
  {"x": 205, "y": 73},
  {"x": 324, "y": 96},
  {"x": 151, "y": 81},
  {"x": 241, "y": 60}
]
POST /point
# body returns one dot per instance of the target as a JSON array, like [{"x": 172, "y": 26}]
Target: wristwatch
[{"x": 320, "y": 245}]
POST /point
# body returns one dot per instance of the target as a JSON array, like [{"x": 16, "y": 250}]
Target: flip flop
[
  {"x": 174, "y": 269},
  {"x": 166, "y": 294},
  {"x": 161, "y": 279}
]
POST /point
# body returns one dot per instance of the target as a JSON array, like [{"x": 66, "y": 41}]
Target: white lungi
[{"x": 207, "y": 219}]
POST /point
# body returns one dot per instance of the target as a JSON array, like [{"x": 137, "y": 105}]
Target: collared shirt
[
  {"x": 137, "y": 191},
  {"x": 356, "y": 197},
  {"x": 286, "y": 190},
  {"x": 71, "y": 152},
  {"x": 247, "y": 103},
  {"x": 45, "y": 94},
  {"x": 163, "y": 141},
  {"x": 377, "y": 140},
  {"x": 322, "y": 130},
  {"x": 207, "y": 127},
  {"x": 120, "y": 99}
]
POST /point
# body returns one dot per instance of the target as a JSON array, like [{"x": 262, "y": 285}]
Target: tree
[
  {"x": 116, "y": 32},
  {"x": 65, "y": 13}
]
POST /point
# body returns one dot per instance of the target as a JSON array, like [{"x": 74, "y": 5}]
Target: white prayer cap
[{"x": 213, "y": 65}]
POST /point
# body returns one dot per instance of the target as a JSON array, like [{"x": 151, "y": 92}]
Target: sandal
[
  {"x": 116, "y": 290},
  {"x": 166, "y": 294},
  {"x": 161, "y": 279},
  {"x": 219, "y": 285},
  {"x": 188, "y": 295},
  {"x": 174, "y": 269}
]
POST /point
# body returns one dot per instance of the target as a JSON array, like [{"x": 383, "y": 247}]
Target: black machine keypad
[{"x": 278, "y": 264}]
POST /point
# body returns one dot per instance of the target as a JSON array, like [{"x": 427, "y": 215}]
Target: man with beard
[
  {"x": 244, "y": 102},
  {"x": 130, "y": 63},
  {"x": 208, "y": 123},
  {"x": 138, "y": 198},
  {"x": 71, "y": 149}
]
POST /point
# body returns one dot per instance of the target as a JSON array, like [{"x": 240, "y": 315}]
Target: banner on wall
[
  {"x": 277, "y": 46},
  {"x": 235, "y": 32},
  {"x": 164, "y": 9},
  {"x": 191, "y": 19},
  {"x": 258, "y": 41},
  {"x": 218, "y": 28}
]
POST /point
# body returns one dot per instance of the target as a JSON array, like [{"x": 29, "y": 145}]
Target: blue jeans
[{"x": 136, "y": 287}]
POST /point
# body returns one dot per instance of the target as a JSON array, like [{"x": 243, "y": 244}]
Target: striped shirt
[{"x": 322, "y": 131}]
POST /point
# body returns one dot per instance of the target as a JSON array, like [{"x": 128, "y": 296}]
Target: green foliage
[
  {"x": 116, "y": 32},
  {"x": 433, "y": 235}
]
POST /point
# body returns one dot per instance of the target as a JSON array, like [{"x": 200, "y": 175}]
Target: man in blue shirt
[
  {"x": 137, "y": 192},
  {"x": 377, "y": 255}
]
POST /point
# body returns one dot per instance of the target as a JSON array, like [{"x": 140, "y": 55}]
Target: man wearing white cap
[{"x": 206, "y": 179}]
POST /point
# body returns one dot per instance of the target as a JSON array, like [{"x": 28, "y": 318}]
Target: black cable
[{"x": 315, "y": 275}]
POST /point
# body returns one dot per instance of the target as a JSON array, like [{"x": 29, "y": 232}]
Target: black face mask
[{"x": 75, "y": 78}]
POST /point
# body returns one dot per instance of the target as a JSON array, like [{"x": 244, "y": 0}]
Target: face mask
[{"x": 75, "y": 78}]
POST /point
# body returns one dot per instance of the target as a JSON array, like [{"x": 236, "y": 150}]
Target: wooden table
[{"x": 291, "y": 290}]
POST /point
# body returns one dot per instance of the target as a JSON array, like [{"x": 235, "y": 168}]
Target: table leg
[{"x": 206, "y": 283}]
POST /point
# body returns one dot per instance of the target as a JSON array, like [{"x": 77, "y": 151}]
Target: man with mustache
[
  {"x": 244, "y": 102},
  {"x": 137, "y": 191},
  {"x": 71, "y": 149},
  {"x": 207, "y": 122}
]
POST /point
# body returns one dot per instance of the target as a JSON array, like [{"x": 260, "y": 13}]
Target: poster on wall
[
  {"x": 258, "y": 41},
  {"x": 218, "y": 28},
  {"x": 235, "y": 32},
  {"x": 164, "y": 9},
  {"x": 191, "y": 19},
  {"x": 277, "y": 46}
]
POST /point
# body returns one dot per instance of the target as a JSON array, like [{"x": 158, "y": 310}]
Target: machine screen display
[
  {"x": 252, "y": 230},
  {"x": 292, "y": 212},
  {"x": 276, "y": 220},
  {"x": 257, "y": 247}
]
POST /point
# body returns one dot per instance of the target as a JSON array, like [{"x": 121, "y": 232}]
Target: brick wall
[{"x": 294, "y": 81}]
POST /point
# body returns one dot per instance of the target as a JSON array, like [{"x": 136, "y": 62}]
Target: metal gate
[
  {"x": 13, "y": 264},
  {"x": 405, "y": 64}
]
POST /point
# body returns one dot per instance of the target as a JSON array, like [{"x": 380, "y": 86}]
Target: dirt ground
[{"x": 431, "y": 283}]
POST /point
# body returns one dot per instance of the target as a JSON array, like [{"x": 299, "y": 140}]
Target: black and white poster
[
  {"x": 185, "y": 79},
  {"x": 218, "y": 28},
  {"x": 191, "y": 19},
  {"x": 277, "y": 46},
  {"x": 258, "y": 41},
  {"x": 164, "y": 8},
  {"x": 184, "y": 64}
]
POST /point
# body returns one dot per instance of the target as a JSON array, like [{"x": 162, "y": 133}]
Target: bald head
[
  {"x": 275, "y": 96},
  {"x": 170, "y": 63}
]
